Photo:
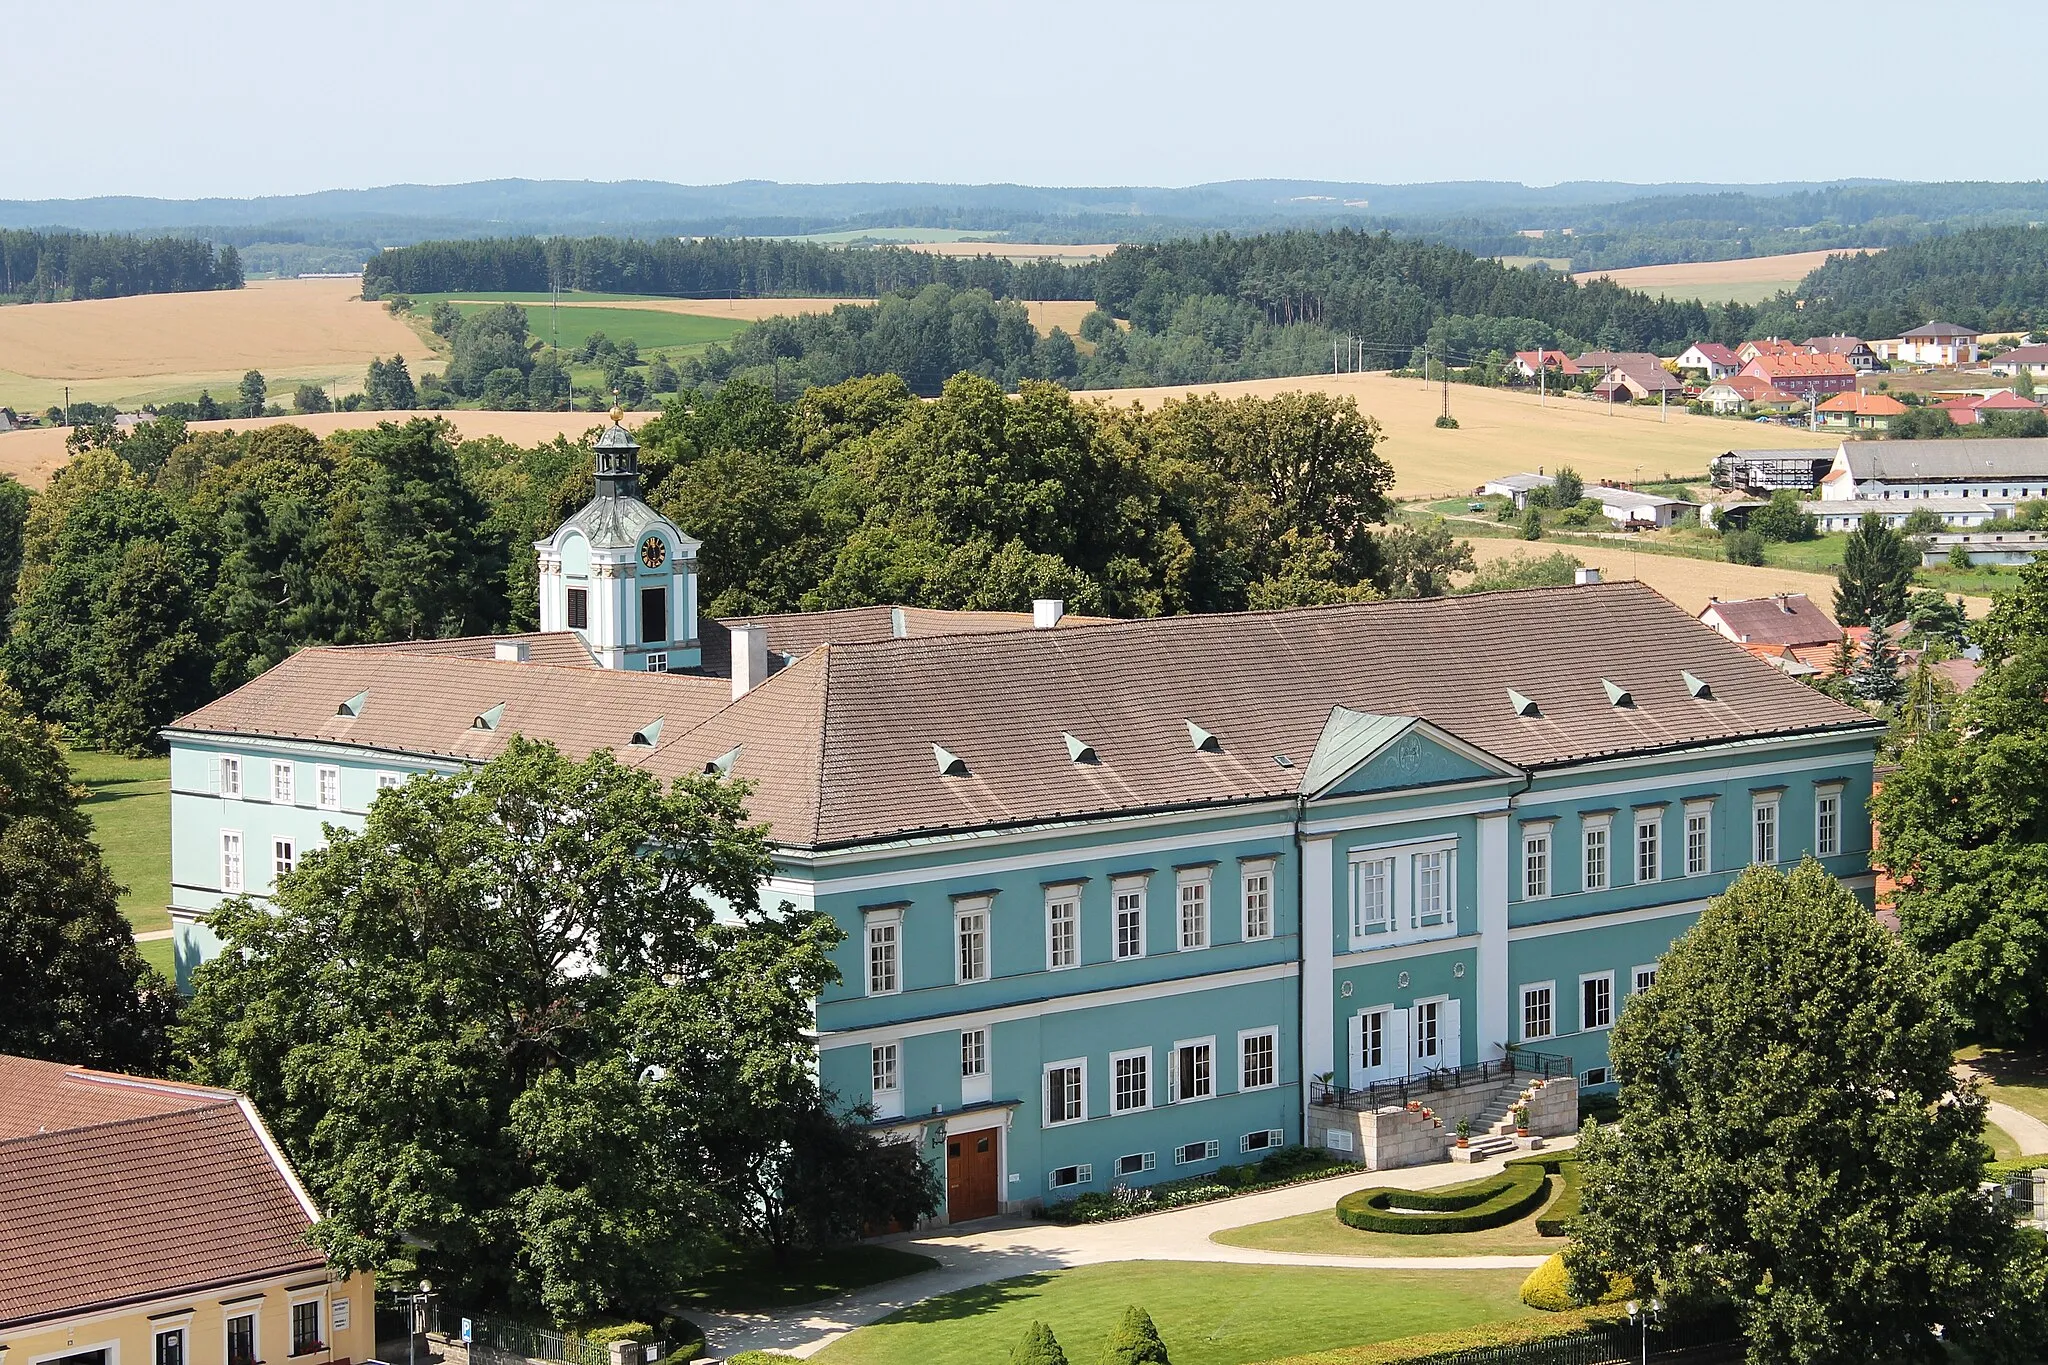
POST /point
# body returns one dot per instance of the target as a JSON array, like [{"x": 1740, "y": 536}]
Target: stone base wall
[
  {"x": 1391, "y": 1137},
  {"x": 1554, "y": 1110}
]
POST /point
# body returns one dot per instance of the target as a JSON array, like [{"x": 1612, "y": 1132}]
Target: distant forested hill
[
  {"x": 46, "y": 266},
  {"x": 1993, "y": 279}
]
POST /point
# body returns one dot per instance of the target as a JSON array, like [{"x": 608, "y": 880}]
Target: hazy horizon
[{"x": 244, "y": 100}]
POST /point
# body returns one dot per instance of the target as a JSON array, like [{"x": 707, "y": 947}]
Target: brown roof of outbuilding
[
  {"x": 797, "y": 633},
  {"x": 1788, "y": 619},
  {"x": 1800, "y": 365},
  {"x": 182, "y": 1195}
]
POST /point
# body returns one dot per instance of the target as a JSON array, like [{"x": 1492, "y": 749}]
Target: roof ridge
[{"x": 232, "y": 1101}]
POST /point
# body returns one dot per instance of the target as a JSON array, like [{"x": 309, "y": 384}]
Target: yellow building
[{"x": 144, "y": 1222}]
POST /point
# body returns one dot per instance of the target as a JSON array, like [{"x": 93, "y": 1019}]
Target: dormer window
[{"x": 579, "y": 608}]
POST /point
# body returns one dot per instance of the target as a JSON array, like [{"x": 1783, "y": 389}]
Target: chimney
[
  {"x": 749, "y": 658},
  {"x": 1582, "y": 577},
  {"x": 509, "y": 651},
  {"x": 1785, "y": 604},
  {"x": 1046, "y": 613}
]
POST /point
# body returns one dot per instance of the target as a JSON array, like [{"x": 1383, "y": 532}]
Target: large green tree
[
  {"x": 1792, "y": 1140},
  {"x": 508, "y": 1032},
  {"x": 76, "y": 988},
  {"x": 1877, "y": 569}
]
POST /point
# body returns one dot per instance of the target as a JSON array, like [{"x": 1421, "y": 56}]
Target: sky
[{"x": 198, "y": 98}]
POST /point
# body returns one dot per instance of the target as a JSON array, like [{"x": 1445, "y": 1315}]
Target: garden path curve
[
  {"x": 998, "y": 1248},
  {"x": 2029, "y": 1132}
]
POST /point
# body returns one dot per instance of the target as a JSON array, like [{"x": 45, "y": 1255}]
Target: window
[
  {"x": 1137, "y": 1163},
  {"x": 1596, "y": 856},
  {"x": 1130, "y": 920},
  {"x": 1194, "y": 1071},
  {"x": 231, "y": 778},
  {"x": 1699, "y": 840},
  {"x": 1064, "y": 1176},
  {"x": 1644, "y": 978},
  {"x": 657, "y": 663},
  {"x": 306, "y": 1327},
  {"x": 1596, "y": 1001},
  {"x": 1827, "y": 821},
  {"x": 170, "y": 1347},
  {"x": 579, "y": 608},
  {"x": 653, "y": 615},
  {"x": 1191, "y": 1152},
  {"x": 1432, "y": 889},
  {"x": 1649, "y": 860},
  {"x": 231, "y": 860},
  {"x": 1131, "y": 1081},
  {"x": 242, "y": 1339},
  {"x": 1537, "y": 1012},
  {"x": 1066, "y": 1086},
  {"x": 1372, "y": 897},
  {"x": 974, "y": 1052},
  {"x": 1595, "y": 1075},
  {"x": 281, "y": 782},
  {"x": 284, "y": 856},
  {"x": 1535, "y": 862},
  {"x": 970, "y": 939},
  {"x": 1194, "y": 910},
  {"x": 1372, "y": 1028},
  {"x": 884, "y": 948},
  {"x": 386, "y": 781},
  {"x": 328, "y": 782},
  {"x": 883, "y": 1059},
  {"x": 1258, "y": 901},
  {"x": 1764, "y": 848},
  {"x": 1255, "y": 1052},
  {"x": 1261, "y": 1140},
  {"x": 1062, "y": 930}
]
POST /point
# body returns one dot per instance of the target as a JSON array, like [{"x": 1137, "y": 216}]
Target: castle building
[{"x": 1122, "y": 900}]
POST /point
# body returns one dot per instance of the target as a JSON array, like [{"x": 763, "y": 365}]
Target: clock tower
[{"x": 620, "y": 574}]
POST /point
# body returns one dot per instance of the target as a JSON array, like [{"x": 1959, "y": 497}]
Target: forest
[
  {"x": 51, "y": 267},
  {"x": 1992, "y": 279}
]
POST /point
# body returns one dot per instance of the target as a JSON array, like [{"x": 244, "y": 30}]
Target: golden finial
[{"x": 618, "y": 415}]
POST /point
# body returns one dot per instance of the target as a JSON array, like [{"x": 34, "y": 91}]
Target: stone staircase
[{"x": 1493, "y": 1128}]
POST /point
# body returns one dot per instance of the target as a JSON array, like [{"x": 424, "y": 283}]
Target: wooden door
[{"x": 971, "y": 1175}]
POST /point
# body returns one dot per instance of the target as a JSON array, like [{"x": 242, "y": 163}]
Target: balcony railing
[{"x": 1397, "y": 1092}]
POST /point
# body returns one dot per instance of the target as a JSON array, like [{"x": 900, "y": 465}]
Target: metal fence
[
  {"x": 501, "y": 1339},
  {"x": 1434, "y": 1080},
  {"x": 1618, "y": 1344}
]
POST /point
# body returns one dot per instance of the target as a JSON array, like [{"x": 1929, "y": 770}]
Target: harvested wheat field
[
  {"x": 1046, "y": 314},
  {"x": 32, "y": 456},
  {"x": 1015, "y": 251},
  {"x": 134, "y": 350},
  {"x": 1749, "y": 280},
  {"x": 1503, "y": 432}
]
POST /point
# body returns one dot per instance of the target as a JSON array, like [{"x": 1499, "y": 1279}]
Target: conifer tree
[
  {"x": 1877, "y": 675},
  {"x": 1134, "y": 1341},
  {"x": 1877, "y": 568},
  {"x": 1039, "y": 1347}
]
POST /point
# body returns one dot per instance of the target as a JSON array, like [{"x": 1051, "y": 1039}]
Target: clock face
[{"x": 653, "y": 552}]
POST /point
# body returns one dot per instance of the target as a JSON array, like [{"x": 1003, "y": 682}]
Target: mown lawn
[
  {"x": 1321, "y": 1234},
  {"x": 757, "y": 1285},
  {"x": 129, "y": 803},
  {"x": 2019, "y": 1079},
  {"x": 1207, "y": 1314}
]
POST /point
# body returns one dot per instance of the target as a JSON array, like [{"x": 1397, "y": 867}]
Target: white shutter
[
  {"x": 1398, "y": 1062},
  {"x": 1450, "y": 1030},
  {"x": 1357, "y": 1071},
  {"x": 1172, "y": 1075}
]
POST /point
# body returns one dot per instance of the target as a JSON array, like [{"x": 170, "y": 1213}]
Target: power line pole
[{"x": 1447, "y": 385}]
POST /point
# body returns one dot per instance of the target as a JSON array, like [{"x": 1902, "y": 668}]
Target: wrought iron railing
[{"x": 1398, "y": 1091}]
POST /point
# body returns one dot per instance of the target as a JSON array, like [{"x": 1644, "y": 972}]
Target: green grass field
[
  {"x": 1321, "y": 1234},
  {"x": 2019, "y": 1079},
  {"x": 129, "y": 802},
  {"x": 676, "y": 333},
  {"x": 756, "y": 1284},
  {"x": 1207, "y": 1314}
]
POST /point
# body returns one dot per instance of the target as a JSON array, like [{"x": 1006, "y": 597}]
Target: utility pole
[
  {"x": 1447, "y": 386},
  {"x": 1333, "y": 355},
  {"x": 67, "y": 405},
  {"x": 1542, "y": 376}
]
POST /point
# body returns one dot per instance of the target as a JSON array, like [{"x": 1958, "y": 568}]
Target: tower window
[
  {"x": 579, "y": 609},
  {"x": 653, "y": 615}
]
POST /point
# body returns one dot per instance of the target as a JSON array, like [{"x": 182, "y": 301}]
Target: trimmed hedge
[
  {"x": 1549, "y": 1287},
  {"x": 620, "y": 1331},
  {"x": 1555, "y": 1221},
  {"x": 1489, "y": 1202},
  {"x": 761, "y": 1358},
  {"x": 2001, "y": 1170},
  {"x": 1288, "y": 1166},
  {"x": 1441, "y": 1346}
]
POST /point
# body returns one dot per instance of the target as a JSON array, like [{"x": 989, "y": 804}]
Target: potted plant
[
  {"x": 1521, "y": 1120},
  {"x": 1464, "y": 1132},
  {"x": 1414, "y": 1106}
]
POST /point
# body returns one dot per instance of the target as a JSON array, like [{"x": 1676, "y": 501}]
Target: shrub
[
  {"x": 1549, "y": 1287},
  {"x": 1489, "y": 1202},
  {"x": 1453, "y": 1345},
  {"x": 761, "y": 1358},
  {"x": 1288, "y": 1166},
  {"x": 1039, "y": 1347},
  {"x": 1782, "y": 519},
  {"x": 1555, "y": 1221},
  {"x": 1744, "y": 547},
  {"x": 1134, "y": 1341},
  {"x": 619, "y": 1331},
  {"x": 1447, "y": 422}
]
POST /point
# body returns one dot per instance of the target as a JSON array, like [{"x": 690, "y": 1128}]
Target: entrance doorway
[{"x": 971, "y": 1175}]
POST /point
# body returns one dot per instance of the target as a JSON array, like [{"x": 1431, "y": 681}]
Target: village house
[
  {"x": 1129, "y": 900},
  {"x": 1970, "y": 409},
  {"x": 146, "y": 1222},
  {"x": 1623, "y": 506},
  {"x": 1638, "y": 375},
  {"x": 1750, "y": 350},
  {"x": 1742, "y": 393},
  {"x": 1597, "y": 362},
  {"x": 2001, "y": 472},
  {"x": 1709, "y": 358},
  {"x": 1529, "y": 363},
  {"x": 1852, "y": 349},
  {"x": 1844, "y": 514},
  {"x": 2033, "y": 359},
  {"x": 1860, "y": 411},
  {"x": 2005, "y": 549},
  {"x": 1803, "y": 375},
  {"x": 1786, "y": 625},
  {"x": 1941, "y": 344}
]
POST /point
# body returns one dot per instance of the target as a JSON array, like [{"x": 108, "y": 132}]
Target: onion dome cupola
[{"x": 620, "y": 574}]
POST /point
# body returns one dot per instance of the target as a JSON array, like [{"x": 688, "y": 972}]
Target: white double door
[{"x": 1389, "y": 1042}]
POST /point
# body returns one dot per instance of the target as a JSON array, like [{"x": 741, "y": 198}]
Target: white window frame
[
  {"x": 1173, "y": 1095},
  {"x": 321, "y": 1343},
  {"x": 1641, "y": 977},
  {"x": 1652, "y": 822},
  {"x": 387, "y": 780},
  {"x": 1529, "y": 990},
  {"x": 325, "y": 777},
  {"x": 1271, "y": 1035},
  {"x": 1136, "y": 1163},
  {"x": 1121, "y": 889},
  {"x": 1062, "y": 903},
  {"x": 1827, "y": 819},
  {"x": 1758, "y": 807},
  {"x": 971, "y": 946},
  {"x": 1191, "y": 888},
  {"x": 234, "y": 862},
  {"x": 1536, "y": 868},
  {"x": 1406, "y": 868},
  {"x": 227, "y": 1320},
  {"x": 284, "y": 858},
  {"x": 1269, "y": 1138},
  {"x": 1699, "y": 819},
  {"x": 284, "y": 782},
  {"x": 230, "y": 778},
  {"x": 1255, "y": 886},
  {"x": 657, "y": 662},
  {"x": 183, "y": 1331},
  {"x": 885, "y": 1064},
  {"x": 1594, "y": 978},
  {"x": 973, "y": 1052},
  {"x": 1377, "y": 874},
  {"x": 1442, "y": 863},
  {"x": 1084, "y": 1174},
  {"x": 1209, "y": 1148},
  {"x": 1596, "y": 829},
  {"x": 874, "y": 921},
  {"x": 1116, "y": 1103},
  {"x": 1045, "y": 1118}
]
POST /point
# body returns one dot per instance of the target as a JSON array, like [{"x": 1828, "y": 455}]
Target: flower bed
[{"x": 1289, "y": 1166}]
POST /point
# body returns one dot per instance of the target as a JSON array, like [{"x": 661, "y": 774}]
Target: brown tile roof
[
  {"x": 563, "y": 648},
  {"x": 1789, "y": 619},
  {"x": 40, "y": 1097},
  {"x": 841, "y": 744},
  {"x": 1716, "y": 352},
  {"x": 1864, "y": 404},
  {"x": 1835, "y": 345},
  {"x": 1936, "y": 330},
  {"x": 1800, "y": 365},
  {"x": 797, "y": 633},
  {"x": 96, "y": 1212}
]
